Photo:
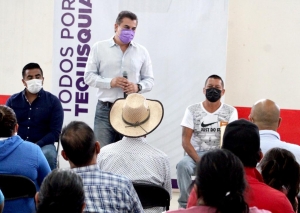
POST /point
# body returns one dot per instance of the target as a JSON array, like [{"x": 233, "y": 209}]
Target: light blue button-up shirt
[
  {"x": 270, "y": 139},
  {"x": 107, "y": 61}
]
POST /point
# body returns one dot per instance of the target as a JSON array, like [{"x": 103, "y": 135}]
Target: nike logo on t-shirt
[{"x": 205, "y": 125}]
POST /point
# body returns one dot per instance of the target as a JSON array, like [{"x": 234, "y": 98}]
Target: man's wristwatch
[{"x": 139, "y": 87}]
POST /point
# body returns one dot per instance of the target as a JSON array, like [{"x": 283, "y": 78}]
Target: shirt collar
[
  {"x": 140, "y": 139},
  {"x": 269, "y": 133},
  {"x": 113, "y": 43},
  {"x": 40, "y": 93},
  {"x": 3, "y": 139},
  {"x": 89, "y": 168},
  {"x": 254, "y": 173},
  {"x": 132, "y": 43}
]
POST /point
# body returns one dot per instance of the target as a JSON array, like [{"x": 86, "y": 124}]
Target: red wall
[
  {"x": 289, "y": 129},
  {"x": 3, "y": 98}
]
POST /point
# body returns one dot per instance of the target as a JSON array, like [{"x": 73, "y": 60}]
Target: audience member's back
[
  {"x": 242, "y": 138},
  {"x": 265, "y": 114},
  {"x": 281, "y": 171},
  {"x": 220, "y": 185},
  {"x": 133, "y": 156},
  {"x": 19, "y": 157},
  {"x": 139, "y": 161},
  {"x": 61, "y": 192},
  {"x": 104, "y": 192}
]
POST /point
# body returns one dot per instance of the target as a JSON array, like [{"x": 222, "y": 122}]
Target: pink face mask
[{"x": 126, "y": 36}]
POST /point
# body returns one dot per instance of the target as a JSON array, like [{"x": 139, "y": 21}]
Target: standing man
[
  {"x": 266, "y": 115},
  {"x": 39, "y": 113},
  {"x": 201, "y": 131},
  {"x": 117, "y": 66}
]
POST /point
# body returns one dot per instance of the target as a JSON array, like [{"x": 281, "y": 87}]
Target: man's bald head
[{"x": 265, "y": 114}]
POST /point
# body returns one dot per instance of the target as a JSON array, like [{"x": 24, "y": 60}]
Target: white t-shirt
[{"x": 206, "y": 125}]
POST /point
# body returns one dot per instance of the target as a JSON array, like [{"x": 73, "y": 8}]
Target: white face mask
[{"x": 34, "y": 85}]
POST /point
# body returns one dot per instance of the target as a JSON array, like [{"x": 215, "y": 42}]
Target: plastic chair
[
  {"x": 16, "y": 186},
  {"x": 152, "y": 195}
]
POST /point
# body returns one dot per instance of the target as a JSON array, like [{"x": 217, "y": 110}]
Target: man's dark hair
[
  {"x": 61, "y": 191},
  {"x": 214, "y": 77},
  {"x": 242, "y": 138},
  {"x": 31, "y": 66},
  {"x": 8, "y": 121},
  {"x": 78, "y": 142},
  {"x": 126, "y": 14}
]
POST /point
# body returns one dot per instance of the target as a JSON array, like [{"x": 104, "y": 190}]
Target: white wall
[
  {"x": 26, "y": 35},
  {"x": 263, "y": 52}
]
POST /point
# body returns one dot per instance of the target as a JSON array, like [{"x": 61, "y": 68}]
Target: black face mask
[{"x": 213, "y": 94}]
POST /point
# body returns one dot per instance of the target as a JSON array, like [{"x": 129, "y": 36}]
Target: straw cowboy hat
[{"x": 135, "y": 116}]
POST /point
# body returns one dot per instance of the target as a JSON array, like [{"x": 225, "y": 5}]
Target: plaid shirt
[{"x": 106, "y": 192}]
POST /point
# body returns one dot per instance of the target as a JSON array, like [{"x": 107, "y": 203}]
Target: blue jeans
[
  {"x": 186, "y": 168},
  {"x": 104, "y": 132},
  {"x": 50, "y": 154}
]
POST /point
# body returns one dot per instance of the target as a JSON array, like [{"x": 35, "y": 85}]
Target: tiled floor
[{"x": 174, "y": 202}]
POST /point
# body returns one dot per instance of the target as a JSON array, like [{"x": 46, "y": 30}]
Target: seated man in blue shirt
[{"x": 39, "y": 113}]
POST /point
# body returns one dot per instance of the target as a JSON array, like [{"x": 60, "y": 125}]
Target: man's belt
[{"x": 106, "y": 103}]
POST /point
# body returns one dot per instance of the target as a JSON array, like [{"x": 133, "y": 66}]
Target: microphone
[{"x": 125, "y": 76}]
